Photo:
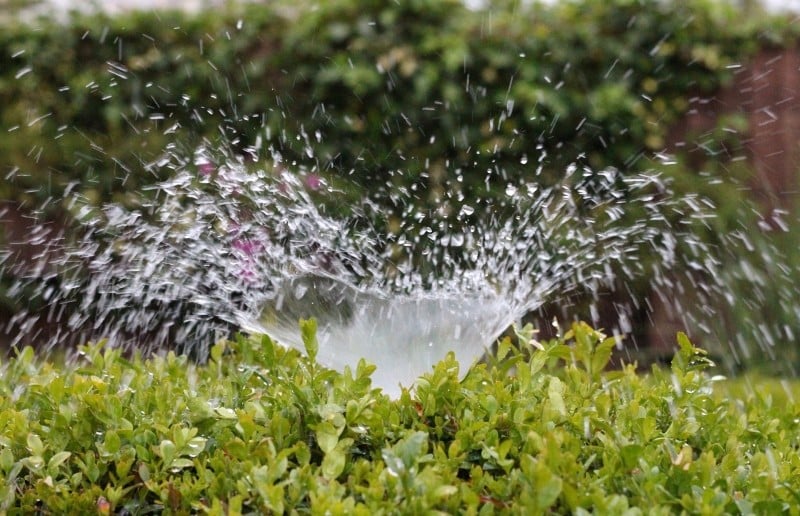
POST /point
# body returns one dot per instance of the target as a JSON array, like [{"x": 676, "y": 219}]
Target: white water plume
[{"x": 231, "y": 246}]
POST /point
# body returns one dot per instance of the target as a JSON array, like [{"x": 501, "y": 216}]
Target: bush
[
  {"x": 261, "y": 429},
  {"x": 418, "y": 93},
  {"x": 424, "y": 106}
]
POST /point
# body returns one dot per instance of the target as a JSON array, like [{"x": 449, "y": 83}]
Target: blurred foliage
[
  {"x": 421, "y": 104},
  {"x": 425, "y": 93},
  {"x": 97, "y": 101},
  {"x": 13, "y": 7}
]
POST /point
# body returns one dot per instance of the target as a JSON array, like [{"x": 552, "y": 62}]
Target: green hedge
[
  {"x": 261, "y": 429},
  {"x": 98, "y": 100},
  {"x": 410, "y": 92},
  {"x": 426, "y": 97}
]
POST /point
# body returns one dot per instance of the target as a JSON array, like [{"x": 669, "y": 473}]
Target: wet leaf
[
  {"x": 327, "y": 436},
  {"x": 56, "y": 460},
  {"x": 308, "y": 329},
  {"x": 333, "y": 463},
  {"x": 555, "y": 394}
]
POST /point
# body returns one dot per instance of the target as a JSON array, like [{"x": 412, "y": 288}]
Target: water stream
[
  {"x": 243, "y": 241},
  {"x": 227, "y": 245}
]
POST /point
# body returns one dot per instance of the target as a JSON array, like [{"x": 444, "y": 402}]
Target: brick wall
[{"x": 766, "y": 93}]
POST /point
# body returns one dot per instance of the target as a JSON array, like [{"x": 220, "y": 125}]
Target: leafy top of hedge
[{"x": 260, "y": 428}]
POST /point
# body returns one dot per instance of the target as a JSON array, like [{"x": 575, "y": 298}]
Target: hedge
[
  {"x": 422, "y": 105},
  {"x": 258, "y": 429},
  {"x": 411, "y": 92}
]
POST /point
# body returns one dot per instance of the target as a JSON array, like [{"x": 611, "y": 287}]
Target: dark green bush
[
  {"x": 97, "y": 101},
  {"x": 418, "y": 92}
]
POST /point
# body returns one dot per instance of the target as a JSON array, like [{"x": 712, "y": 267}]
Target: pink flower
[
  {"x": 313, "y": 182},
  {"x": 247, "y": 275},
  {"x": 206, "y": 169},
  {"x": 247, "y": 249},
  {"x": 247, "y": 246}
]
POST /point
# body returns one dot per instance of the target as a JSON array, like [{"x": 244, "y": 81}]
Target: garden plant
[
  {"x": 538, "y": 427},
  {"x": 413, "y": 108}
]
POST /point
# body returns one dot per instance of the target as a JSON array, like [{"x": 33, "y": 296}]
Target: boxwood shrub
[
  {"x": 533, "y": 428},
  {"x": 423, "y": 106}
]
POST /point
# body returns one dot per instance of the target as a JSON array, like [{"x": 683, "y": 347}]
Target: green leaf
[
  {"x": 503, "y": 348},
  {"x": 181, "y": 463},
  {"x": 217, "y": 351},
  {"x": 268, "y": 347},
  {"x": 272, "y": 494},
  {"x": 35, "y": 445},
  {"x": 332, "y": 413},
  {"x": 690, "y": 358},
  {"x": 410, "y": 449},
  {"x": 538, "y": 361},
  {"x": 167, "y": 451},
  {"x": 56, "y": 460},
  {"x": 195, "y": 446},
  {"x": 547, "y": 486},
  {"x": 601, "y": 356},
  {"x": 6, "y": 459},
  {"x": 444, "y": 491},
  {"x": 555, "y": 394},
  {"x": 226, "y": 413},
  {"x": 333, "y": 463},
  {"x": 144, "y": 472},
  {"x": 275, "y": 499},
  {"x": 686, "y": 346},
  {"x": 364, "y": 369},
  {"x": 630, "y": 455},
  {"x": 34, "y": 463},
  {"x": 352, "y": 410},
  {"x": 112, "y": 442},
  {"x": 561, "y": 351},
  {"x": 308, "y": 331},
  {"x": 124, "y": 463},
  {"x": 745, "y": 507},
  {"x": 89, "y": 466},
  {"x": 302, "y": 453},
  {"x": 327, "y": 436},
  {"x": 393, "y": 463},
  {"x": 525, "y": 335}
]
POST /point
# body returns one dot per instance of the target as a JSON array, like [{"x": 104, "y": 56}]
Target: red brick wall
[{"x": 766, "y": 92}]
